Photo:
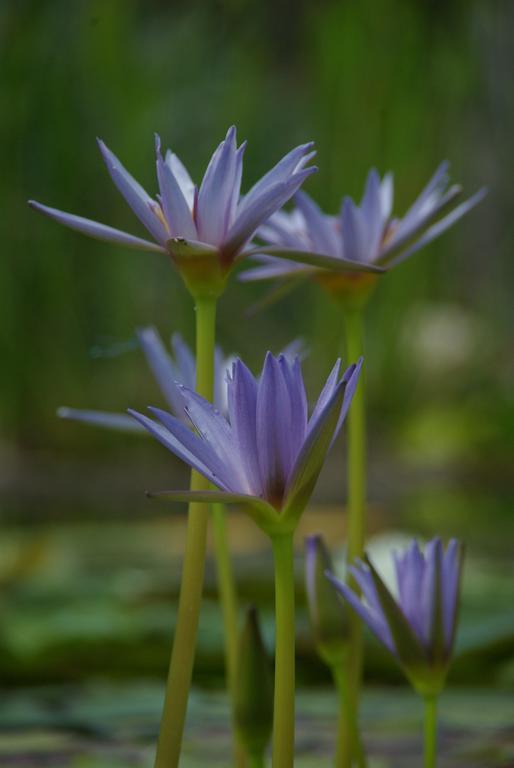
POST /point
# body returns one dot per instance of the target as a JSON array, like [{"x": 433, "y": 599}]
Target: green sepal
[
  {"x": 201, "y": 267},
  {"x": 319, "y": 260},
  {"x": 263, "y": 513},
  {"x": 253, "y": 701}
]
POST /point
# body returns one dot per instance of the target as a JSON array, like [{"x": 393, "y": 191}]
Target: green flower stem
[
  {"x": 284, "y": 701},
  {"x": 182, "y": 657},
  {"x": 256, "y": 761},
  {"x": 348, "y": 741},
  {"x": 228, "y": 600},
  {"x": 356, "y": 507},
  {"x": 430, "y": 732}
]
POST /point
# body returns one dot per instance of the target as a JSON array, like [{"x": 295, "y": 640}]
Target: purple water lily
[
  {"x": 361, "y": 236},
  {"x": 213, "y": 220},
  {"x": 268, "y": 453},
  {"x": 170, "y": 371},
  {"x": 419, "y": 625}
]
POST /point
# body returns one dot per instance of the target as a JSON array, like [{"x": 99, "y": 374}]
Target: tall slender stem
[
  {"x": 191, "y": 587},
  {"x": 430, "y": 732},
  {"x": 256, "y": 761},
  {"x": 284, "y": 701},
  {"x": 228, "y": 601},
  {"x": 348, "y": 737},
  {"x": 356, "y": 509}
]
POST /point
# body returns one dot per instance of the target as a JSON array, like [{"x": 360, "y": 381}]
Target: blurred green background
[{"x": 87, "y": 565}]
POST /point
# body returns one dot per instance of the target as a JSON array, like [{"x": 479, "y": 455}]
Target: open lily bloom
[
  {"x": 210, "y": 222},
  {"x": 419, "y": 625},
  {"x": 169, "y": 371},
  {"x": 361, "y": 236},
  {"x": 268, "y": 453}
]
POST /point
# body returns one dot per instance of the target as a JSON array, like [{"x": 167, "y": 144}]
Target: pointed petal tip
[
  {"x": 231, "y": 133},
  {"x": 313, "y": 539},
  {"x": 102, "y": 146}
]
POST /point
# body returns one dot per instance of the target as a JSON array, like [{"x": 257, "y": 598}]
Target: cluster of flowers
[{"x": 253, "y": 438}]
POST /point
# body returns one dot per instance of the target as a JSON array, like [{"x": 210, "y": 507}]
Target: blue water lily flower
[
  {"x": 170, "y": 371},
  {"x": 267, "y": 454},
  {"x": 211, "y": 222},
  {"x": 360, "y": 236},
  {"x": 418, "y": 626}
]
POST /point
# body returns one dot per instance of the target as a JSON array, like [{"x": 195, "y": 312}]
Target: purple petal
[
  {"x": 164, "y": 370},
  {"x": 429, "y": 196},
  {"x": 450, "y": 590},
  {"x": 215, "y": 430},
  {"x": 242, "y": 406},
  {"x": 275, "y": 269},
  {"x": 351, "y": 378},
  {"x": 176, "y": 209},
  {"x": 322, "y": 232},
  {"x": 354, "y": 233},
  {"x": 277, "y": 175},
  {"x": 410, "y": 568},
  {"x": 96, "y": 230},
  {"x": 371, "y": 207},
  {"x": 374, "y": 621},
  {"x": 440, "y": 227},
  {"x": 203, "y": 445},
  {"x": 117, "y": 421},
  {"x": 428, "y": 596},
  {"x": 236, "y": 189},
  {"x": 292, "y": 373},
  {"x": 182, "y": 176},
  {"x": 326, "y": 394},
  {"x": 249, "y": 218},
  {"x": 286, "y": 230},
  {"x": 216, "y": 191},
  {"x": 387, "y": 196},
  {"x": 139, "y": 200},
  {"x": 187, "y": 446},
  {"x": 222, "y": 367},
  {"x": 273, "y": 425},
  {"x": 185, "y": 362}
]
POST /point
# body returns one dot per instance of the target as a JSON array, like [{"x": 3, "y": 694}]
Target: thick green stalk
[
  {"x": 356, "y": 511},
  {"x": 430, "y": 732},
  {"x": 284, "y": 701},
  {"x": 191, "y": 587},
  {"x": 228, "y": 601},
  {"x": 347, "y": 731},
  {"x": 256, "y": 761}
]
